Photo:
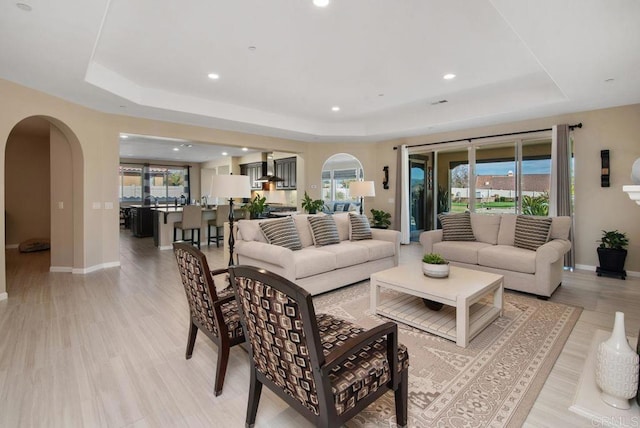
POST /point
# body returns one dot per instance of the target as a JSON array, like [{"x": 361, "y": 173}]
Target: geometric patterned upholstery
[
  {"x": 216, "y": 314},
  {"x": 303, "y": 357},
  {"x": 200, "y": 301},
  {"x": 361, "y": 373}
]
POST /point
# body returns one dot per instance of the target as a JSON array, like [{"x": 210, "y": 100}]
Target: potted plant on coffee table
[
  {"x": 612, "y": 254},
  {"x": 434, "y": 266}
]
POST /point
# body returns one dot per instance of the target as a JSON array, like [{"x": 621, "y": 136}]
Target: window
[{"x": 166, "y": 184}]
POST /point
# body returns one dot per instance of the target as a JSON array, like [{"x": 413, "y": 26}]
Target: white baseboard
[
  {"x": 95, "y": 268},
  {"x": 11, "y": 246},
  {"x": 4, "y": 296},
  {"x": 631, "y": 273},
  {"x": 67, "y": 269}
]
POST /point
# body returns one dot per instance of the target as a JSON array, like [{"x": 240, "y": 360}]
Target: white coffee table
[{"x": 463, "y": 315}]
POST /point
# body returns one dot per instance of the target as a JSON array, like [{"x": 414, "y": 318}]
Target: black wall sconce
[
  {"x": 385, "y": 182},
  {"x": 604, "y": 172}
]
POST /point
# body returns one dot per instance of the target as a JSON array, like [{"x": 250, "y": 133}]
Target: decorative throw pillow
[
  {"x": 324, "y": 230},
  {"x": 282, "y": 232},
  {"x": 531, "y": 232},
  {"x": 360, "y": 228},
  {"x": 456, "y": 227},
  {"x": 338, "y": 207}
]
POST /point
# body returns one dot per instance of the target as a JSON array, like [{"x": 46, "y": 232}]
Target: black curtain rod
[
  {"x": 571, "y": 127},
  {"x": 153, "y": 164}
]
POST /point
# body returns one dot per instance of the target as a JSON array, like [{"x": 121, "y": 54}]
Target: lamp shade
[
  {"x": 362, "y": 189},
  {"x": 230, "y": 186}
]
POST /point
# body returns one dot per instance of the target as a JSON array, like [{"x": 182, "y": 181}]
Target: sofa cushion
[
  {"x": 359, "y": 227},
  {"x": 508, "y": 257},
  {"x": 560, "y": 227},
  {"x": 377, "y": 249},
  {"x": 531, "y": 232},
  {"x": 507, "y": 231},
  {"x": 485, "y": 227},
  {"x": 460, "y": 251},
  {"x": 342, "y": 223},
  {"x": 324, "y": 230},
  {"x": 312, "y": 261},
  {"x": 347, "y": 253},
  {"x": 303, "y": 228},
  {"x": 250, "y": 231},
  {"x": 456, "y": 227},
  {"x": 282, "y": 232}
]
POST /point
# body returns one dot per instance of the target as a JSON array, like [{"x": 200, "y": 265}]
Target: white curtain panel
[{"x": 405, "y": 211}]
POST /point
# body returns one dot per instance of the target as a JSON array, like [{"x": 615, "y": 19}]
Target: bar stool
[
  {"x": 222, "y": 215},
  {"x": 191, "y": 220}
]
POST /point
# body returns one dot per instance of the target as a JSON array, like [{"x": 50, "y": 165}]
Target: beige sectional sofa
[
  {"x": 319, "y": 269},
  {"x": 538, "y": 272}
]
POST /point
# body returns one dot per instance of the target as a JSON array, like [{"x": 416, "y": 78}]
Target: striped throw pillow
[
  {"x": 531, "y": 232},
  {"x": 324, "y": 230},
  {"x": 456, "y": 227},
  {"x": 282, "y": 232},
  {"x": 360, "y": 228}
]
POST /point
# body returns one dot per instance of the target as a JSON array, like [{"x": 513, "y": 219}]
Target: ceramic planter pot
[{"x": 435, "y": 271}]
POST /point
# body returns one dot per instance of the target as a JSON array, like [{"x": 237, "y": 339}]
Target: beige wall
[
  {"x": 61, "y": 201},
  {"x": 26, "y": 176}
]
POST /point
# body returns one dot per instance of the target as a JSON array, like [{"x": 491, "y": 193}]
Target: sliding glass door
[{"x": 507, "y": 177}]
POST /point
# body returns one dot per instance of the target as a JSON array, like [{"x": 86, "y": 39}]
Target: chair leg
[
  {"x": 193, "y": 331},
  {"x": 175, "y": 234},
  {"x": 401, "y": 397},
  {"x": 223, "y": 359},
  {"x": 218, "y": 236},
  {"x": 198, "y": 230},
  {"x": 255, "y": 389},
  {"x": 208, "y": 235}
]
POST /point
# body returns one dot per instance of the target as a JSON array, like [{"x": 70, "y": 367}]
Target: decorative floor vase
[{"x": 617, "y": 367}]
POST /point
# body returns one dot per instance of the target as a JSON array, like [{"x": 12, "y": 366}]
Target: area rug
[{"x": 491, "y": 383}]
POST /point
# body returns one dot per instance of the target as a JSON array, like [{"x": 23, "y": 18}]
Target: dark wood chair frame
[
  {"x": 321, "y": 365},
  {"x": 223, "y": 342}
]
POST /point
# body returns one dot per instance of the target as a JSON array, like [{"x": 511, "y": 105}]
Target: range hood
[{"x": 269, "y": 176}]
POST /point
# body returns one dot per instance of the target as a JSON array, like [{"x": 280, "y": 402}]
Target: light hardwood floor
[{"x": 107, "y": 348}]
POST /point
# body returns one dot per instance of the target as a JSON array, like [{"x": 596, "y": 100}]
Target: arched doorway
[{"x": 43, "y": 189}]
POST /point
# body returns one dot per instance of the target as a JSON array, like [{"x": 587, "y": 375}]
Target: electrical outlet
[
  {"x": 96, "y": 205},
  {"x": 108, "y": 205},
  {"x": 60, "y": 205}
]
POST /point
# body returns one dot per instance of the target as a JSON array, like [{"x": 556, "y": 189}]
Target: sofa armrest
[
  {"x": 273, "y": 254},
  {"x": 430, "y": 237},
  {"x": 552, "y": 251},
  {"x": 389, "y": 235}
]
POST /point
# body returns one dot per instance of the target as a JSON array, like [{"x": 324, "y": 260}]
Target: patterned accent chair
[
  {"x": 215, "y": 313},
  {"x": 326, "y": 368}
]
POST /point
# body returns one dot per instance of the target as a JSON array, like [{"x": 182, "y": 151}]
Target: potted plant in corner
[
  {"x": 612, "y": 254},
  {"x": 311, "y": 206},
  {"x": 380, "y": 219}
]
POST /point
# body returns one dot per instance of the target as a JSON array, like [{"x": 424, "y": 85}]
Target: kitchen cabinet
[
  {"x": 286, "y": 169},
  {"x": 254, "y": 170}
]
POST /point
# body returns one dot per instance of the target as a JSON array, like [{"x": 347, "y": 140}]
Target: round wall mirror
[{"x": 337, "y": 172}]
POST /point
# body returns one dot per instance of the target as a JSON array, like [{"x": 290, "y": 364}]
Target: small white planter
[{"x": 435, "y": 271}]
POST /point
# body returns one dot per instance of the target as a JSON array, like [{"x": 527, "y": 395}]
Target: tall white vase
[{"x": 617, "y": 367}]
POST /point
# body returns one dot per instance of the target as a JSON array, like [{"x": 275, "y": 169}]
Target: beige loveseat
[
  {"x": 538, "y": 272},
  {"x": 319, "y": 269}
]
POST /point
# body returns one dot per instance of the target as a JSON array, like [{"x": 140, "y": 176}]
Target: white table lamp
[
  {"x": 229, "y": 187},
  {"x": 362, "y": 189}
]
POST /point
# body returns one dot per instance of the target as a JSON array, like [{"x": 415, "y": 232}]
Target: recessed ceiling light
[
  {"x": 24, "y": 6},
  {"x": 321, "y": 3},
  {"x": 124, "y": 136},
  {"x": 449, "y": 76},
  {"x": 335, "y": 108},
  {"x": 213, "y": 76},
  {"x": 244, "y": 149},
  {"x": 224, "y": 153},
  {"x": 175, "y": 149}
]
